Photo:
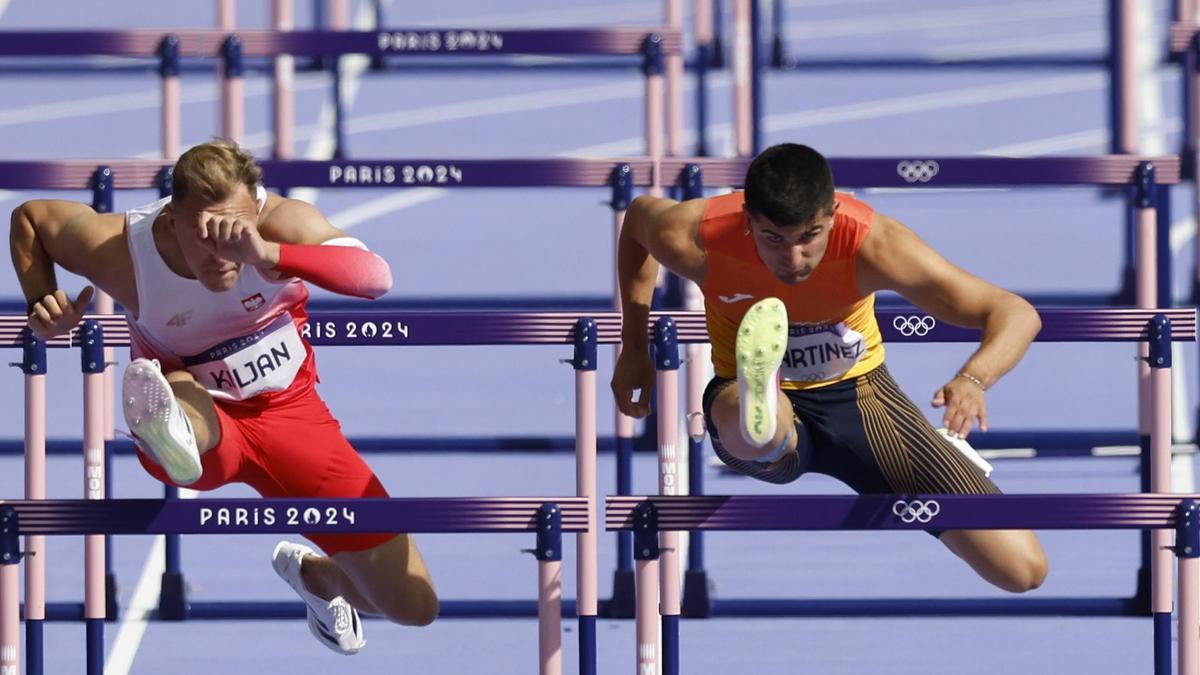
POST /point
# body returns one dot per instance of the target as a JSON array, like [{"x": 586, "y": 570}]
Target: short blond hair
[{"x": 212, "y": 171}]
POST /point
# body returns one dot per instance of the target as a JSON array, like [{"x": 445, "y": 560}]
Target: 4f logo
[{"x": 180, "y": 319}]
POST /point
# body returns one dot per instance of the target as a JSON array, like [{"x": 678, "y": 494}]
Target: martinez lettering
[{"x": 815, "y": 355}]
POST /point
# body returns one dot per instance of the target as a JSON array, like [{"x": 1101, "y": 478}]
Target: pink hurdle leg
[
  {"x": 1186, "y": 11},
  {"x": 93, "y": 482},
  {"x": 226, "y": 14},
  {"x": 1194, "y": 117},
  {"x": 105, "y": 305},
  {"x": 654, "y": 116},
  {"x": 339, "y": 14},
  {"x": 233, "y": 109},
  {"x": 172, "y": 117},
  {"x": 743, "y": 112},
  {"x": 646, "y": 576},
  {"x": 10, "y": 617},
  {"x": 1126, "y": 73},
  {"x": 669, "y": 477},
  {"x": 1146, "y": 296},
  {"x": 674, "y": 68},
  {"x": 285, "y": 76},
  {"x": 1189, "y": 616},
  {"x": 550, "y": 617}
]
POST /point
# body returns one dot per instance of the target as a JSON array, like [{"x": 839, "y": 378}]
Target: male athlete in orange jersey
[{"x": 789, "y": 271}]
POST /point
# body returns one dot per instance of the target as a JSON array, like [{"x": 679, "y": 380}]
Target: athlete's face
[
  {"x": 791, "y": 251},
  {"x": 215, "y": 274}
]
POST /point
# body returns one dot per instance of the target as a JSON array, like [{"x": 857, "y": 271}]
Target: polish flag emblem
[{"x": 253, "y": 302}]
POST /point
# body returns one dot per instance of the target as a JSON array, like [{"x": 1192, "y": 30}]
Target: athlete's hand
[
  {"x": 236, "y": 239},
  {"x": 964, "y": 403},
  {"x": 56, "y": 314},
  {"x": 634, "y": 370}
]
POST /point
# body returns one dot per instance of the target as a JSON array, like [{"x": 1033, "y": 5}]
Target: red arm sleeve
[{"x": 340, "y": 269}]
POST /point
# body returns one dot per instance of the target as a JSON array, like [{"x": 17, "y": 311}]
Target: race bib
[
  {"x": 264, "y": 361},
  {"x": 821, "y": 352}
]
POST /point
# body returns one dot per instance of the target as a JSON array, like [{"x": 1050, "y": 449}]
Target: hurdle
[
  {"x": 1148, "y": 180},
  {"x": 343, "y": 329},
  {"x": 548, "y": 517},
  {"x": 655, "y": 521},
  {"x": 1118, "y": 60}
]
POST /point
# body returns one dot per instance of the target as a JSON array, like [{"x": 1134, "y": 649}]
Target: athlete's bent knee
[
  {"x": 1025, "y": 575},
  {"x": 419, "y": 606}
]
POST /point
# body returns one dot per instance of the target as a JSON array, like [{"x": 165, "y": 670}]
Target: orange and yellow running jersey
[{"x": 833, "y": 335}]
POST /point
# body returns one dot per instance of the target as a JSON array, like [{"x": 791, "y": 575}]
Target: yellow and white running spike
[
  {"x": 158, "y": 423},
  {"x": 761, "y": 342}
]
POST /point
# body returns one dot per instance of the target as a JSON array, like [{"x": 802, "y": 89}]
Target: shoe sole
[
  {"x": 759, "y": 348},
  {"x": 147, "y": 399}
]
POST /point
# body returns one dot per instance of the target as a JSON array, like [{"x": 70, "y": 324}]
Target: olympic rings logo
[
  {"x": 914, "y": 325},
  {"x": 918, "y": 171},
  {"x": 916, "y": 510}
]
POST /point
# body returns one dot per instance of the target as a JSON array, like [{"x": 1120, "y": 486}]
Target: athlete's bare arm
[
  {"x": 655, "y": 230},
  {"x": 291, "y": 221},
  {"x": 894, "y": 258},
  {"x": 45, "y": 232}
]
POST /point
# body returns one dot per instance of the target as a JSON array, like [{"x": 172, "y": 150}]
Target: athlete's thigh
[{"x": 887, "y": 445}]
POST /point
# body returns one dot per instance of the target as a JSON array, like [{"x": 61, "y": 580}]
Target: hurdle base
[
  {"x": 778, "y": 53},
  {"x": 623, "y": 604},
  {"x": 1141, "y": 599},
  {"x": 716, "y": 57},
  {"x": 696, "y": 601},
  {"x": 172, "y": 599},
  {"x": 112, "y": 608},
  {"x": 1126, "y": 295}
]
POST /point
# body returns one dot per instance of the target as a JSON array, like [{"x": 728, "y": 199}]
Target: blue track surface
[{"x": 558, "y": 242}]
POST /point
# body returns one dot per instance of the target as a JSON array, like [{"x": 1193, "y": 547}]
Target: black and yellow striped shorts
[{"x": 866, "y": 433}]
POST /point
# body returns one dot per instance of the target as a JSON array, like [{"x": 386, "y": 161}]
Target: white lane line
[
  {"x": 629, "y": 13},
  {"x": 398, "y": 200},
  {"x": 938, "y": 100},
  {"x": 821, "y": 116},
  {"x": 1026, "y": 45},
  {"x": 131, "y": 101},
  {"x": 141, "y": 607},
  {"x": 1094, "y": 140},
  {"x": 941, "y": 19}
]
